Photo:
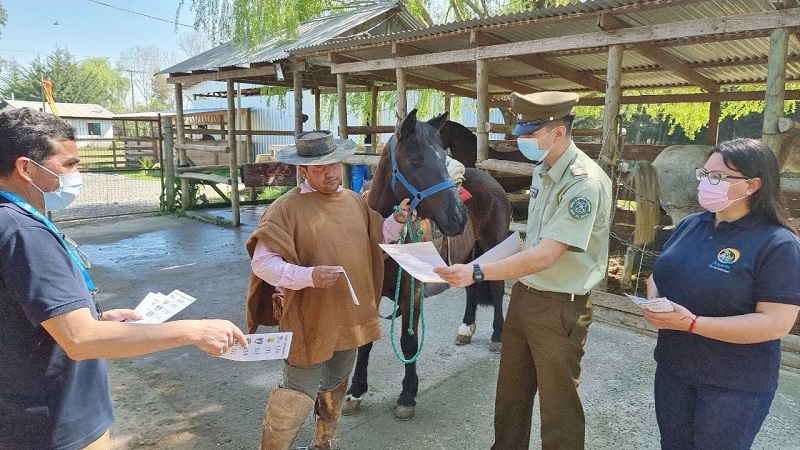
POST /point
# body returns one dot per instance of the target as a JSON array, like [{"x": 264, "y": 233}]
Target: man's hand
[
  {"x": 400, "y": 216},
  {"x": 458, "y": 275},
  {"x": 217, "y": 335},
  {"x": 325, "y": 276}
]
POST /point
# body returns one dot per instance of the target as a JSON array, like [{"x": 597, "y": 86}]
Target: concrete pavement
[{"x": 182, "y": 399}]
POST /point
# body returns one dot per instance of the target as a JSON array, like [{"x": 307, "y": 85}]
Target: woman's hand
[
  {"x": 680, "y": 319},
  {"x": 325, "y": 276}
]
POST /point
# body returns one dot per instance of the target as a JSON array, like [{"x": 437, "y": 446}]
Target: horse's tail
[{"x": 648, "y": 211}]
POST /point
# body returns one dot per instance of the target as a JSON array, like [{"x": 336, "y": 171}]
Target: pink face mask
[{"x": 714, "y": 197}]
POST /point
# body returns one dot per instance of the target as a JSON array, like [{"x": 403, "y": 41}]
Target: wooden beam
[
  {"x": 459, "y": 69},
  {"x": 702, "y": 27},
  {"x": 233, "y": 157},
  {"x": 610, "y": 22},
  {"x": 205, "y": 177},
  {"x": 222, "y": 75},
  {"x": 688, "y": 98},
  {"x": 506, "y": 167},
  {"x": 484, "y": 39},
  {"x": 612, "y": 122},
  {"x": 204, "y": 148}
]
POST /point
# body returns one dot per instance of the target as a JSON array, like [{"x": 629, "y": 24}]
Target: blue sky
[{"x": 87, "y": 28}]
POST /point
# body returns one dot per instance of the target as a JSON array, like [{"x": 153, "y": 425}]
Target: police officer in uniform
[{"x": 565, "y": 256}]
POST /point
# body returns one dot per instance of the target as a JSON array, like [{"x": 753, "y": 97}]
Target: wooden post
[
  {"x": 186, "y": 200},
  {"x": 234, "y": 161},
  {"x": 448, "y": 100},
  {"x": 341, "y": 93},
  {"x": 297, "y": 81},
  {"x": 402, "y": 101},
  {"x": 317, "y": 108},
  {"x": 776, "y": 88},
  {"x": 250, "y": 156},
  {"x": 374, "y": 115},
  {"x": 482, "y": 92},
  {"x": 609, "y": 151},
  {"x": 168, "y": 165},
  {"x": 714, "y": 112}
]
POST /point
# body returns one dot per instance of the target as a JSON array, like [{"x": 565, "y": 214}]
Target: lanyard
[{"x": 19, "y": 201}]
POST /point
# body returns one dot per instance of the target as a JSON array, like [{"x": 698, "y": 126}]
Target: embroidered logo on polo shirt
[
  {"x": 725, "y": 259},
  {"x": 580, "y": 208}
]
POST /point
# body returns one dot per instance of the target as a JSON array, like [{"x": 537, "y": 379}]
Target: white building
[{"x": 93, "y": 124}]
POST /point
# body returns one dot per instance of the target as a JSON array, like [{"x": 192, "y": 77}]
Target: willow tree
[{"x": 251, "y": 22}]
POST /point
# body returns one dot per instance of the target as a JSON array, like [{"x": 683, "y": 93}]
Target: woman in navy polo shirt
[{"x": 731, "y": 274}]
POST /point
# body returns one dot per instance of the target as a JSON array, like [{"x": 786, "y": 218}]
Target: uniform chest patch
[{"x": 580, "y": 208}]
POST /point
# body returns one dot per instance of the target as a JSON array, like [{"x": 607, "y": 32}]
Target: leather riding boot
[
  {"x": 287, "y": 409},
  {"x": 328, "y": 411}
]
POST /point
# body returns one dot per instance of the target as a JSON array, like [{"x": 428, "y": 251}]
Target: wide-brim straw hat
[{"x": 316, "y": 148}]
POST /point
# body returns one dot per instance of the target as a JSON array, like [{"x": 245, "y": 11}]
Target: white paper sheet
[
  {"x": 261, "y": 347},
  {"x": 350, "y": 286},
  {"x": 157, "y": 307},
  {"x": 418, "y": 259},
  {"x": 660, "y": 304},
  {"x": 510, "y": 246}
]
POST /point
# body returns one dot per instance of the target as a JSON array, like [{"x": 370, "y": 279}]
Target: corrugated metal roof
[
  {"x": 309, "y": 33},
  {"x": 723, "y": 59},
  {"x": 82, "y": 110}
]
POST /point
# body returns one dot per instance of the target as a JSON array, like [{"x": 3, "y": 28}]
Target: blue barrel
[{"x": 358, "y": 173}]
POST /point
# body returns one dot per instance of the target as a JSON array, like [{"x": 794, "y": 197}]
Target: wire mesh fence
[{"x": 109, "y": 193}]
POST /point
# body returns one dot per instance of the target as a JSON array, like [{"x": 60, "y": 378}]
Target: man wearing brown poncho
[{"x": 304, "y": 241}]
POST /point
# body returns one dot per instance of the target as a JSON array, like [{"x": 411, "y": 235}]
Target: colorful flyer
[
  {"x": 157, "y": 307},
  {"x": 261, "y": 347}
]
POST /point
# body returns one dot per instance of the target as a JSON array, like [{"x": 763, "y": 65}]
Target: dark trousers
[
  {"x": 543, "y": 338},
  {"x": 706, "y": 417}
]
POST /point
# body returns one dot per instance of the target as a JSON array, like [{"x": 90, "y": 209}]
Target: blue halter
[{"x": 417, "y": 195}]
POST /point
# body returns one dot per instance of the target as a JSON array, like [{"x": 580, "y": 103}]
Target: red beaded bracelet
[{"x": 694, "y": 322}]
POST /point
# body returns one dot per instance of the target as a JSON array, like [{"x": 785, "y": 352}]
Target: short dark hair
[
  {"x": 566, "y": 121},
  {"x": 30, "y": 133},
  {"x": 754, "y": 159}
]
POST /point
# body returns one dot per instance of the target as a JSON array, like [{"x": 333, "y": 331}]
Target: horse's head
[{"x": 419, "y": 173}]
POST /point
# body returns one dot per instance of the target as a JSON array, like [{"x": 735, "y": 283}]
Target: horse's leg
[
  {"x": 407, "y": 400},
  {"x": 497, "y": 290},
  {"x": 468, "y": 325},
  {"x": 358, "y": 385}
]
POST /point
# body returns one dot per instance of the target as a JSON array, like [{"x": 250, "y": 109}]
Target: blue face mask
[{"x": 529, "y": 147}]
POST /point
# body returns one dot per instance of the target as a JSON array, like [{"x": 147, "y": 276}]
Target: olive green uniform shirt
[{"x": 570, "y": 203}]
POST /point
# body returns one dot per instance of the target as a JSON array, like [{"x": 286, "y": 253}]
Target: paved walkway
[{"x": 182, "y": 399}]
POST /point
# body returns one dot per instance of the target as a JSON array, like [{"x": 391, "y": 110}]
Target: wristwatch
[{"x": 477, "y": 273}]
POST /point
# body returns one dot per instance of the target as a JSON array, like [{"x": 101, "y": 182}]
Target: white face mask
[{"x": 69, "y": 187}]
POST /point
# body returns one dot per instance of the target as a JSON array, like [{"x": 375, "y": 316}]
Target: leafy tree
[
  {"x": 249, "y": 22},
  {"x": 3, "y": 16},
  {"x": 90, "y": 81}
]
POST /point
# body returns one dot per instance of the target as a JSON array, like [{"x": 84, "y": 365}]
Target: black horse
[
  {"x": 463, "y": 145},
  {"x": 412, "y": 165}
]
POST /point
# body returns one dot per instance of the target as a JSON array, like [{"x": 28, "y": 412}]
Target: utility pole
[{"x": 133, "y": 102}]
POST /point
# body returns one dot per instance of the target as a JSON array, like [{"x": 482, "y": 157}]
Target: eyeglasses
[{"x": 715, "y": 177}]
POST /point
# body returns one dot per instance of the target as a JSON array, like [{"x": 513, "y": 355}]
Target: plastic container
[{"x": 358, "y": 174}]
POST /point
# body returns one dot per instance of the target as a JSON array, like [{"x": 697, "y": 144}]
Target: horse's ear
[
  {"x": 408, "y": 126},
  {"x": 438, "y": 121}
]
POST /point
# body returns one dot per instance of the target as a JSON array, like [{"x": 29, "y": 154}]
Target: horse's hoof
[
  {"x": 403, "y": 413},
  {"x": 495, "y": 347},
  {"x": 352, "y": 405},
  {"x": 465, "y": 333}
]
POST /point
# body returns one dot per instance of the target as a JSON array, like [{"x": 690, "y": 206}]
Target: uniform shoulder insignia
[
  {"x": 580, "y": 208},
  {"x": 578, "y": 170}
]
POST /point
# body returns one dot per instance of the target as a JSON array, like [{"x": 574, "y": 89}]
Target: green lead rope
[{"x": 414, "y": 236}]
